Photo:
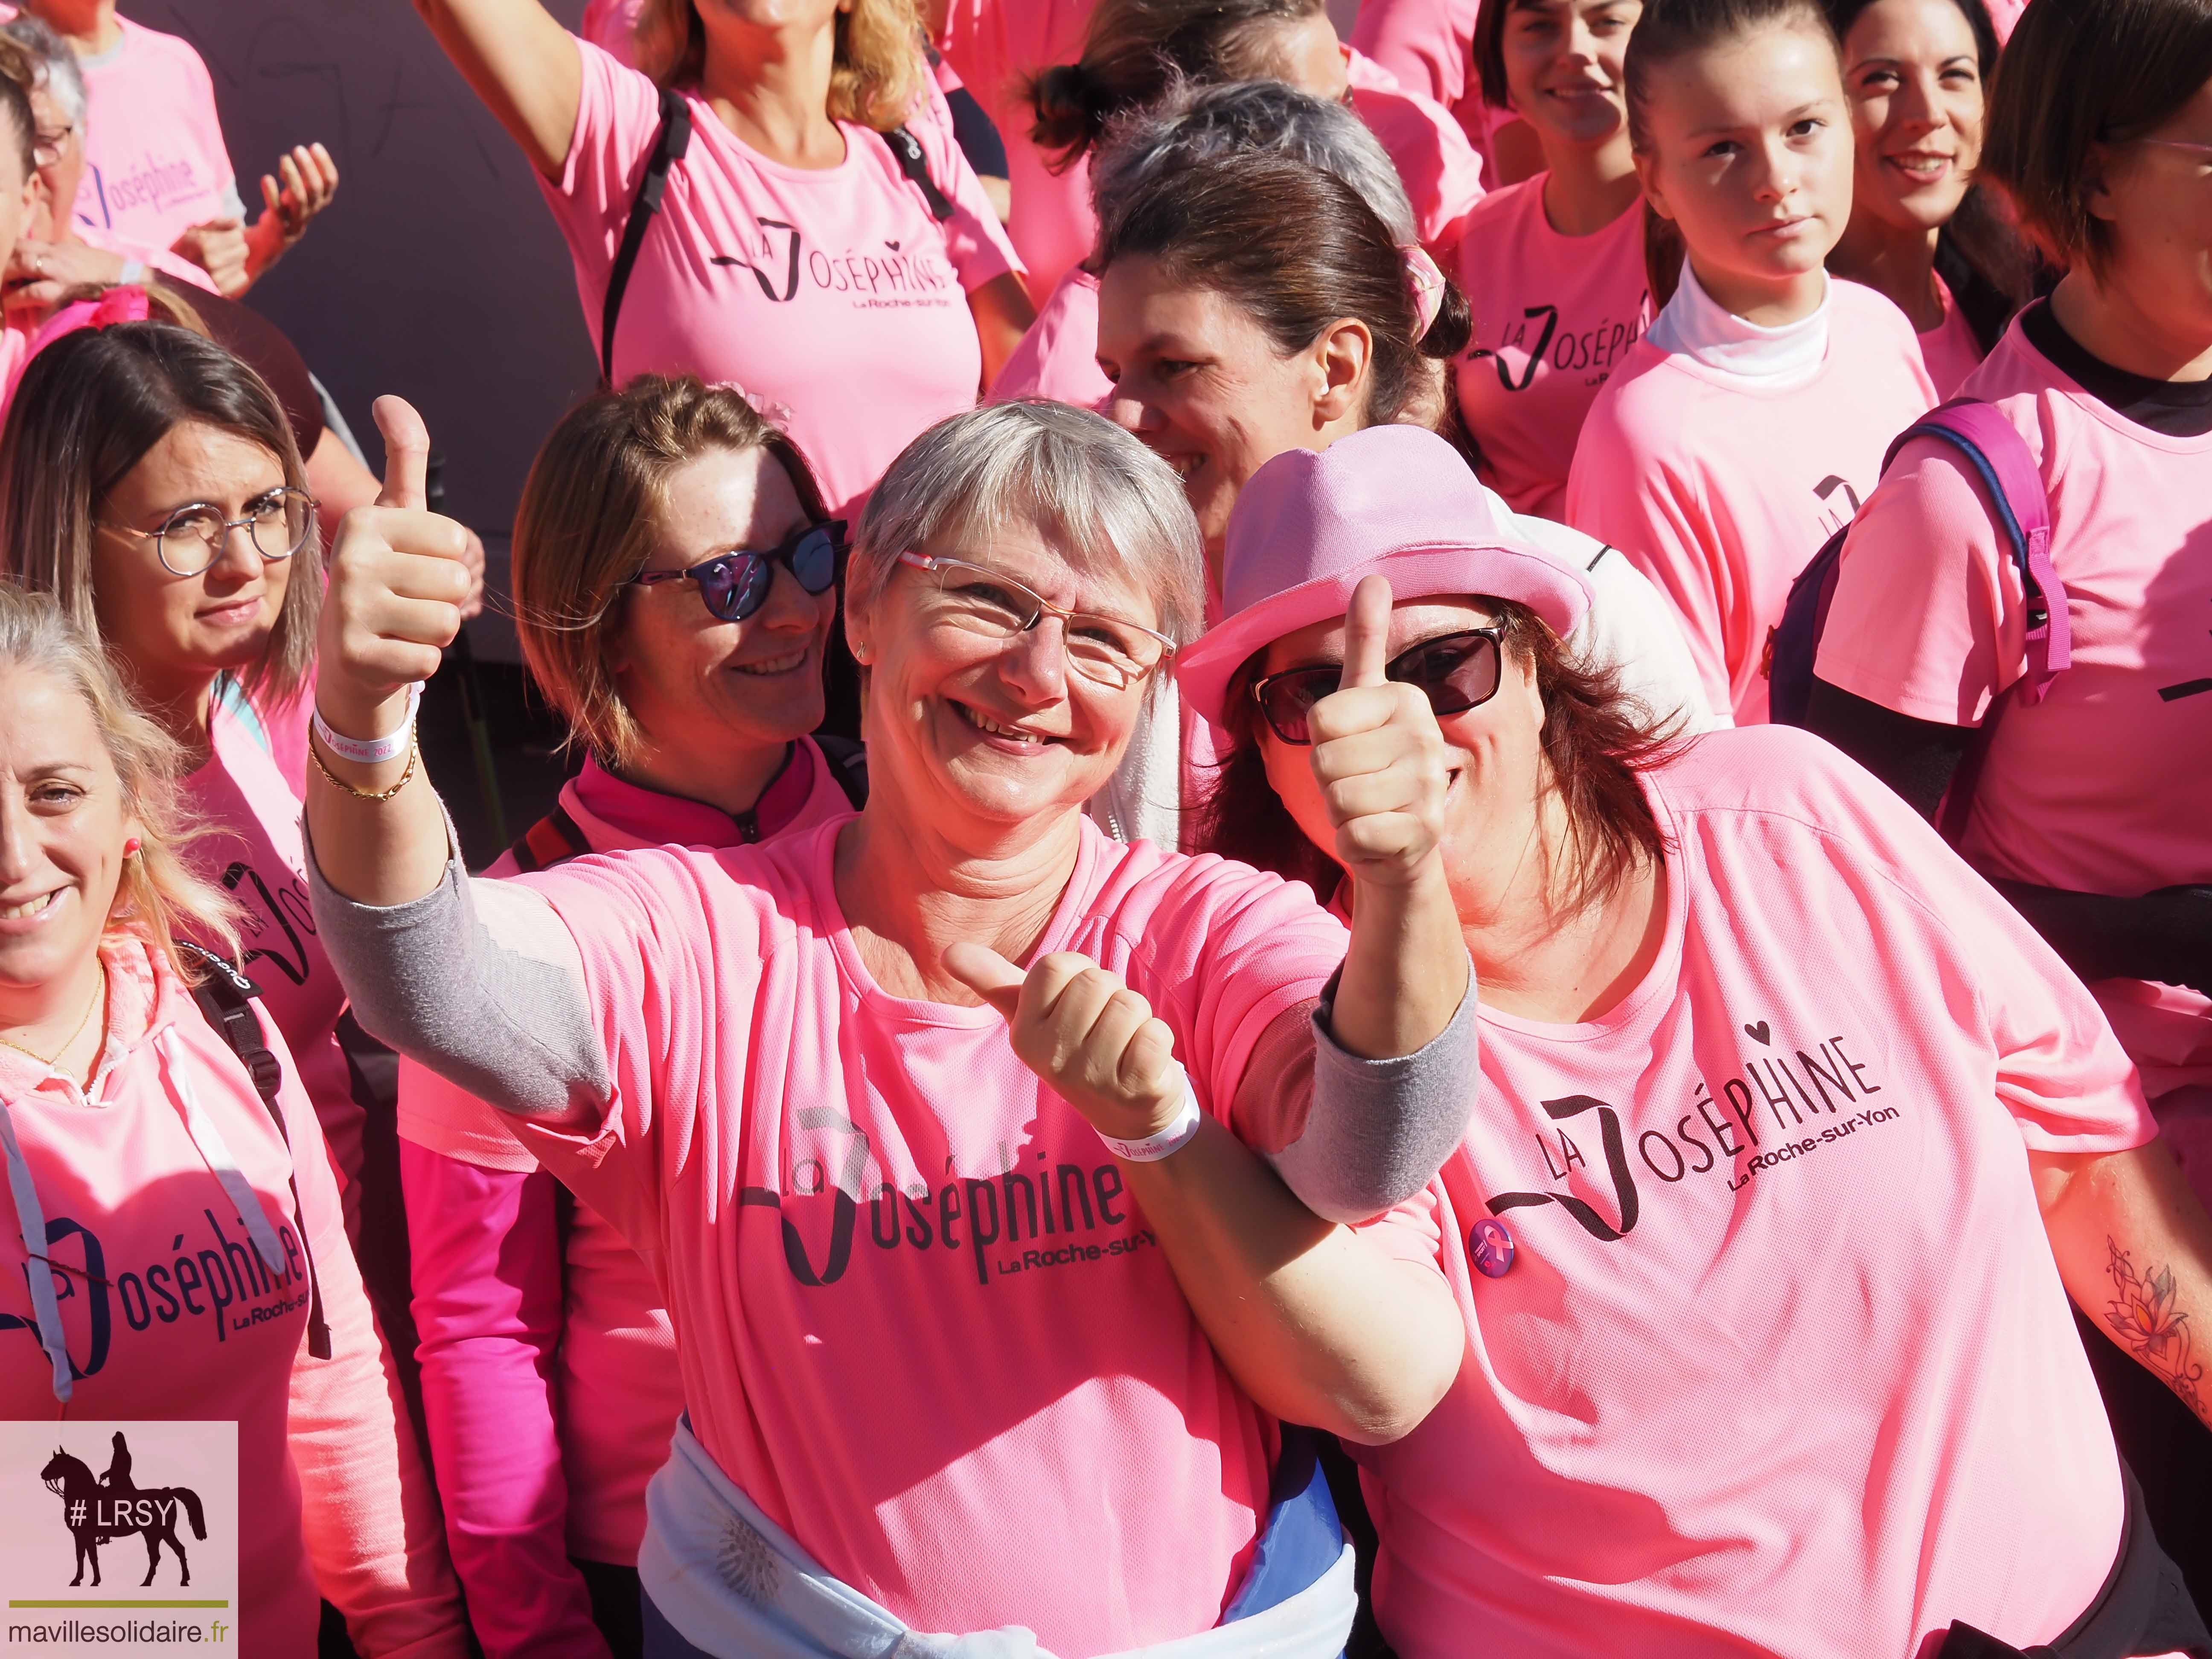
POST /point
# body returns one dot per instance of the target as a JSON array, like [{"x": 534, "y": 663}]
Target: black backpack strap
[
  {"x": 906, "y": 148},
  {"x": 225, "y": 1000},
  {"x": 849, "y": 764},
  {"x": 669, "y": 146},
  {"x": 553, "y": 839}
]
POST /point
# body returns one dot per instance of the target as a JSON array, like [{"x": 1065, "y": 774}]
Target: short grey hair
[
  {"x": 1196, "y": 123},
  {"x": 58, "y": 74},
  {"x": 1109, "y": 502}
]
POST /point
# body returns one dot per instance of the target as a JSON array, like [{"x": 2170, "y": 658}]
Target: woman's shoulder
[
  {"x": 1501, "y": 213},
  {"x": 1148, "y": 891},
  {"x": 1650, "y": 406}
]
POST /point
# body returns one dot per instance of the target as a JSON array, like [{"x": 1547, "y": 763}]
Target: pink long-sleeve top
[
  {"x": 169, "y": 1312},
  {"x": 549, "y": 1366}
]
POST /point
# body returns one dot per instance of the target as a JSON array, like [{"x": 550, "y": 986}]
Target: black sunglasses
[
  {"x": 735, "y": 584},
  {"x": 1455, "y": 671}
]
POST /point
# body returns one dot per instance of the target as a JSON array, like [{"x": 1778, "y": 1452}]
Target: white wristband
[
  {"x": 372, "y": 751},
  {"x": 1173, "y": 1138}
]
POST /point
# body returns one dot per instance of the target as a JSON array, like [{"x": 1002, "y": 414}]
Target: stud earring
[{"x": 131, "y": 848}]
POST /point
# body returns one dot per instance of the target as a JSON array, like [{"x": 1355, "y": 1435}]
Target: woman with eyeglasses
[
  {"x": 1790, "y": 1143},
  {"x": 675, "y": 587},
  {"x": 150, "y": 481},
  {"x": 940, "y": 1365}
]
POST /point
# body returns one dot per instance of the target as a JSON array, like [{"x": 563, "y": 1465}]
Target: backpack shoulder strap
[
  {"x": 849, "y": 764},
  {"x": 670, "y": 144},
  {"x": 226, "y": 999},
  {"x": 906, "y": 150},
  {"x": 553, "y": 839},
  {"x": 1992, "y": 447}
]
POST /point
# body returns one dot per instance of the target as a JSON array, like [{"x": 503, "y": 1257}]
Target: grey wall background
[{"x": 437, "y": 273}]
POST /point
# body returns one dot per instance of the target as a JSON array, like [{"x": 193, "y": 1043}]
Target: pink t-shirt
[
  {"x": 1058, "y": 358},
  {"x": 613, "y": 1380},
  {"x": 995, "y": 44},
  {"x": 2105, "y": 786},
  {"x": 914, "y": 1306},
  {"x": 1430, "y": 45},
  {"x": 1721, "y": 489},
  {"x": 169, "y": 1313},
  {"x": 831, "y": 297},
  {"x": 155, "y": 164},
  {"x": 1441, "y": 171},
  {"x": 1950, "y": 349},
  {"x": 1781, "y": 1364},
  {"x": 253, "y": 853},
  {"x": 1553, "y": 316}
]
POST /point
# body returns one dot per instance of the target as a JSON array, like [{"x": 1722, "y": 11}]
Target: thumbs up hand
[
  {"x": 1086, "y": 1033},
  {"x": 399, "y": 575},
  {"x": 1383, "y": 764}
]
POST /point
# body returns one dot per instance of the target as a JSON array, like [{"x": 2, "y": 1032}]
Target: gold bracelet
[{"x": 414, "y": 755}]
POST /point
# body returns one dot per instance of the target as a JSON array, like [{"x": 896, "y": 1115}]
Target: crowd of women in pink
[{"x": 1380, "y": 845}]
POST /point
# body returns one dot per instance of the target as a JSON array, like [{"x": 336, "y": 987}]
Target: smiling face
[
  {"x": 978, "y": 734},
  {"x": 176, "y": 633},
  {"x": 1915, "y": 84},
  {"x": 1491, "y": 808},
  {"x": 1202, "y": 383},
  {"x": 1750, "y": 153},
  {"x": 703, "y": 690},
  {"x": 1563, "y": 67},
  {"x": 63, "y": 828}
]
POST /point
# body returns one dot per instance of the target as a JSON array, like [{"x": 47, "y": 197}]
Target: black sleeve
[
  {"x": 977, "y": 136},
  {"x": 2165, "y": 936},
  {"x": 1916, "y": 758}
]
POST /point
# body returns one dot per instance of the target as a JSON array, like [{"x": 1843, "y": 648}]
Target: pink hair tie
[
  {"x": 117, "y": 305},
  {"x": 1426, "y": 283}
]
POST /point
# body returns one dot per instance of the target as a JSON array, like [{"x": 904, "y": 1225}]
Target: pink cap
[{"x": 1392, "y": 500}]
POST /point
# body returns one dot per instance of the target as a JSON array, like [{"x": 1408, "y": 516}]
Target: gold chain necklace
[{"x": 83, "y": 1020}]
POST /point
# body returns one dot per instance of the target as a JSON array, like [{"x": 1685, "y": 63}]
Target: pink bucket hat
[{"x": 1393, "y": 501}]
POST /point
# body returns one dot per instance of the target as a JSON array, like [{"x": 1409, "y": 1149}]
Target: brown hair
[
  {"x": 86, "y": 412},
  {"x": 1296, "y": 249},
  {"x": 158, "y": 891},
  {"x": 1134, "y": 50},
  {"x": 1595, "y": 740},
  {"x": 590, "y": 510},
  {"x": 1669, "y": 29},
  {"x": 2077, "y": 74},
  {"x": 875, "y": 77},
  {"x": 21, "y": 70}
]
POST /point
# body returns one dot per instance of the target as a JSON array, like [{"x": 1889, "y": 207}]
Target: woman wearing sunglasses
[
  {"x": 938, "y": 1366},
  {"x": 152, "y": 484},
  {"x": 1791, "y": 1141},
  {"x": 674, "y": 585}
]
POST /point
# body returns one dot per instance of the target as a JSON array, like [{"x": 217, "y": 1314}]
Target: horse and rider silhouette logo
[{"x": 97, "y": 1509}]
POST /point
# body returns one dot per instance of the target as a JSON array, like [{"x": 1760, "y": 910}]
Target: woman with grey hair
[{"x": 934, "y": 1303}]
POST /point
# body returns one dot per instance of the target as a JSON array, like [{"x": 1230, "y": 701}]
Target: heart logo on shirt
[
  {"x": 1760, "y": 1033},
  {"x": 890, "y": 244}
]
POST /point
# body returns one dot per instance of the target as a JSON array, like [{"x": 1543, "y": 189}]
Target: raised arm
[
  {"x": 525, "y": 66},
  {"x": 480, "y": 981}
]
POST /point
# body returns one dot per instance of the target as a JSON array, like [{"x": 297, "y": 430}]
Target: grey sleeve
[
  {"x": 1378, "y": 1130},
  {"x": 428, "y": 978}
]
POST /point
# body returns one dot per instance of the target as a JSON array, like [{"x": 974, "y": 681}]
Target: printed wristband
[
  {"x": 1173, "y": 1138},
  {"x": 372, "y": 751}
]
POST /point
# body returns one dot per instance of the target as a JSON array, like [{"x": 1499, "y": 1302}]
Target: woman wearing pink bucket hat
[{"x": 1791, "y": 1141}]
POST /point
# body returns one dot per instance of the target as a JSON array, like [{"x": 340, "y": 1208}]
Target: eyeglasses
[
  {"x": 736, "y": 584},
  {"x": 978, "y": 600},
  {"x": 47, "y": 146},
  {"x": 1455, "y": 671},
  {"x": 192, "y": 538}
]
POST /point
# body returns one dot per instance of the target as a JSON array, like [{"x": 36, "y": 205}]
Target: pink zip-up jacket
[
  {"x": 548, "y": 1366},
  {"x": 170, "y": 1309}
]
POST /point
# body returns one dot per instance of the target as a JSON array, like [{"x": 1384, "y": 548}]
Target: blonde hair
[
  {"x": 158, "y": 892},
  {"x": 875, "y": 78},
  {"x": 590, "y": 511}
]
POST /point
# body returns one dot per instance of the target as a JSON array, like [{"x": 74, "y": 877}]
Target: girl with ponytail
[{"x": 1746, "y": 427}]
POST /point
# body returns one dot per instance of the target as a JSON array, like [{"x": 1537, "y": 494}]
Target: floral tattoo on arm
[{"x": 2146, "y": 1322}]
